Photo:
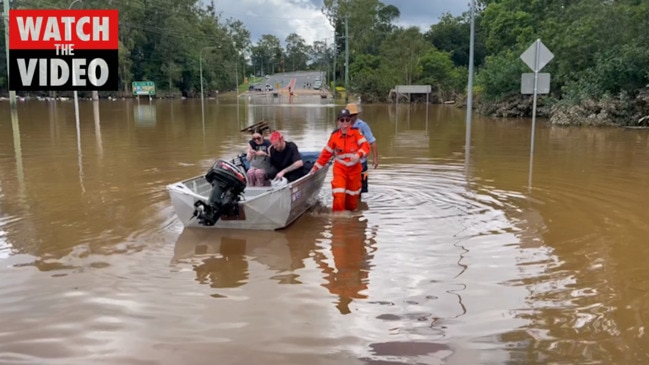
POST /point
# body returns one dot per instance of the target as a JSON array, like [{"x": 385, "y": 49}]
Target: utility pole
[
  {"x": 326, "y": 79},
  {"x": 346, "y": 58},
  {"x": 469, "y": 99},
  {"x": 75, "y": 93},
  {"x": 5, "y": 15},
  {"x": 333, "y": 74}
]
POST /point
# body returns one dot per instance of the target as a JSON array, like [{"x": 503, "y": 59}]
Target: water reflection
[
  {"x": 47, "y": 214},
  {"x": 406, "y": 113},
  {"x": 228, "y": 258},
  {"x": 406, "y": 353},
  {"x": 95, "y": 115},
  {"x": 497, "y": 272},
  {"x": 18, "y": 152},
  {"x": 576, "y": 230},
  {"x": 52, "y": 116},
  {"x": 222, "y": 256},
  {"x": 79, "y": 153},
  {"x": 352, "y": 252},
  {"x": 410, "y": 134},
  {"x": 145, "y": 115}
]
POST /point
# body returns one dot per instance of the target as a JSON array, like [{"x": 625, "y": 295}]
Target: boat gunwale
[{"x": 271, "y": 189}]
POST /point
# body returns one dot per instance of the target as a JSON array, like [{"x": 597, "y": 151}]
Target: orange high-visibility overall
[{"x": 346, "y": 184}]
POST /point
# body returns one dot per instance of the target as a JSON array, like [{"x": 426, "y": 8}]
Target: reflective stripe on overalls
[{"x": 346, "y": 183}]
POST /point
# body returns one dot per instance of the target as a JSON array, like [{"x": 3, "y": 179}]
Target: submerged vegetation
[{"x": 599, "y": 74}]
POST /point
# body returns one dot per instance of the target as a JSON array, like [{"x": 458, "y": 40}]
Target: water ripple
[{"x": 440, "y": 265}]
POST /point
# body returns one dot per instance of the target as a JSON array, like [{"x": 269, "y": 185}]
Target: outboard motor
[
  {"x": 228, "y": 182},
  {"x": 242, "y": 162}
]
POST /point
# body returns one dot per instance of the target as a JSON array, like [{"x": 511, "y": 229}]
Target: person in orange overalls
[{"x": 347, "y": 145}]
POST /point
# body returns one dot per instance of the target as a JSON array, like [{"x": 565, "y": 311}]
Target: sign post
[
  {"x": 5, "y": 17},
  {"x": 143, "y": 88},
  {"x": 535, "y": 57}
]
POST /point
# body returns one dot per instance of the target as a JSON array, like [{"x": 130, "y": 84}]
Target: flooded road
[{"x": 488, "y": 261}]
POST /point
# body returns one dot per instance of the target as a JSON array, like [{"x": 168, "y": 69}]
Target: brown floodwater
[{"x": 494, "y": 259}]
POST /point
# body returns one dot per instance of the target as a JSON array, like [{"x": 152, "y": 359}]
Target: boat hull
[{"x": 262, "y": 208}]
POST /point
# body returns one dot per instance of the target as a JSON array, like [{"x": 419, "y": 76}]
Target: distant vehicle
[{"x": 317, "y": 85}]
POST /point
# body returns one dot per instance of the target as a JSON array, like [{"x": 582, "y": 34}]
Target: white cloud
[
  {"x": 305, "y": 17},
  {"x": 279, "y": 18},
  {"x": 424, "y": 13}
]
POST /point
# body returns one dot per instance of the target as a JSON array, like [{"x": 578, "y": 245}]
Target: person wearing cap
[
  {"x": 347, "y": 146},
  {"x": 367, "y": 132},
  {"x": 285, "y": 158}
]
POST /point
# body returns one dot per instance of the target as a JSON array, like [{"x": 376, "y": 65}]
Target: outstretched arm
[
  {"x": 250, "y": 154},
  {"x": 294, "y": 166},
  {"x": 375, "y": 155},
  {"x": 325, "y": 156},
  {"x": 367, "y": 132},
  {"x": 363, "y": 149}
]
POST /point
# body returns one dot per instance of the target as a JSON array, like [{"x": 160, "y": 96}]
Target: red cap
[{"x": 276, "y": 136}]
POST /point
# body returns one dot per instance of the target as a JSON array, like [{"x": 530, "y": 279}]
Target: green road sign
[{"x": 143, "y": 87}]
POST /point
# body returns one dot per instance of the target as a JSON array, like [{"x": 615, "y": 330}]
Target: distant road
[{"x": 301, "y": 82}]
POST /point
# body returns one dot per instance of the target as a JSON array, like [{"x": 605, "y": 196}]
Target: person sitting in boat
[
  {"x": 260, "y": 168},
  {"x": 285, "y": 158}
]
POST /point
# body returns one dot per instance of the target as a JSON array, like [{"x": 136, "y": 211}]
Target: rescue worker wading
[{"x": 346, "y": 145}]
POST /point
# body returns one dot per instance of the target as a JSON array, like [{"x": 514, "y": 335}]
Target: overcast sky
[{"x": 304, "y": 17}]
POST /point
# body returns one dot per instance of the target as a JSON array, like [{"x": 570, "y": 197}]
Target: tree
[
  {"x": 320, "y": 55},
  {"x": 297, "y": 52},
  {"x": 240, "y": 36},
  {"x": 269, "y": 52},
  {"x": 451, "y": 34},
  {"x": 438, "y": 70},
  {"x": 368, "y": 21},
  {"x": 402, "y": 51}
]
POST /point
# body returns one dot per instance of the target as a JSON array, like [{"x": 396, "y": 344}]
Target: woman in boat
[
  {"x": 347, "y": 146},
  {"x": 260, "y": 169}
]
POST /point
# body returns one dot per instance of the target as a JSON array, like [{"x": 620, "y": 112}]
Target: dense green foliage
[{"x": 601, "y": 47}]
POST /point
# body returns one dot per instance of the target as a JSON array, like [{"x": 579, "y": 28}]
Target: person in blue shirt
[{"x": 367, "y": 132}]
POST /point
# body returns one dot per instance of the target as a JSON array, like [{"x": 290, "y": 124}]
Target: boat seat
[{"x": 309, "y": 159}]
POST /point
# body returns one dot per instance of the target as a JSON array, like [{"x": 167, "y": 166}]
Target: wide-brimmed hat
[{"x": 353, "y": 108}]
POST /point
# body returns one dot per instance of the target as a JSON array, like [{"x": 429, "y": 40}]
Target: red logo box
[{"x": 63, "y": 50}]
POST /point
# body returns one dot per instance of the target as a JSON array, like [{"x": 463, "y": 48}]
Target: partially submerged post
[
  {"x": 469, "y": 98},
  {"x": 535, "y": 57},
  {"x": 5, "y": 16}
]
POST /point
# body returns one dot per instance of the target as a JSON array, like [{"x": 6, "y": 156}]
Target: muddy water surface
[{"x": 488, "y": 261}]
